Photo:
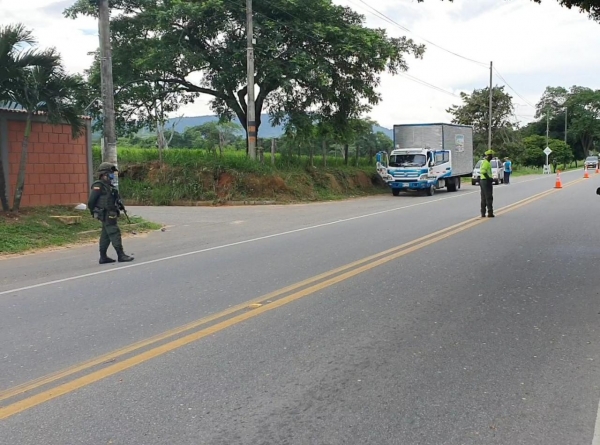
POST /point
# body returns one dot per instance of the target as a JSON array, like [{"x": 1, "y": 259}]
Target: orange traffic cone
[
  {"x": 558, "y": 184},
  {"x": 585, "y": 174}
]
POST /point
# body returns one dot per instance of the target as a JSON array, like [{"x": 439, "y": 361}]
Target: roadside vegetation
[{"x": 38, "y": 228}]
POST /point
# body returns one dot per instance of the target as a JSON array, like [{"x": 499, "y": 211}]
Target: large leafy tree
[
  {"x": 582, "y": 108},
  {"x": 17, "y": 55},
  {"x": 311, "y": 49},
  {"x": 475, "y": 111},
  {"x": 141, "y": 99},
  {"x": 584, "y": 112}
]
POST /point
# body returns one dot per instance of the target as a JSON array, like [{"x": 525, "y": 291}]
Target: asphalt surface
[{"x": 487, "y": 333}]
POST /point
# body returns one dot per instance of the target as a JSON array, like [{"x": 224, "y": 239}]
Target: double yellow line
[{"x": 88, "y": 372}]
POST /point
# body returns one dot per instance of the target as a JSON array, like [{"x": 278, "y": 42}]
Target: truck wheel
[
  {"x": 496, "y": 182},
  {"x": 431, "y": 190},
  {"x": 395, "y": 192},
  {"x": 452, "y": 184},
  {"x": 473, "y": 182}
]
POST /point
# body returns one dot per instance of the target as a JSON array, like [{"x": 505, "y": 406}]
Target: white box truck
[{"x": 427, "y": 157}]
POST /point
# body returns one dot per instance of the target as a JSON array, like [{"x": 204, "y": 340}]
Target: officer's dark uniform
[{"x": 103, "y": 205}]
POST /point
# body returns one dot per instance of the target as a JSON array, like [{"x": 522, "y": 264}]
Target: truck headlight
[{"x": 423, "y": 177}]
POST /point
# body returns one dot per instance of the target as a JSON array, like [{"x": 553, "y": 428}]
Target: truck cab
[{"x": 417, "y": 169}]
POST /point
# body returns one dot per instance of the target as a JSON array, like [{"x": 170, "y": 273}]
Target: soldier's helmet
[{"x": 107, "y": 167}]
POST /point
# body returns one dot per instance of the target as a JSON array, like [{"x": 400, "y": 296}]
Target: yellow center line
[{"x": 372, "y": 262}]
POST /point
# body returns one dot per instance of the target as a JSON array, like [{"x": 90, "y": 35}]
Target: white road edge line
[
  {"x": 596, "y": 438},
  {"x": 223, "y": 246}
]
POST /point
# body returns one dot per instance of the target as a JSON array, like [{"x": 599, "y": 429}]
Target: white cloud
[{"x": 532, "y": 46}]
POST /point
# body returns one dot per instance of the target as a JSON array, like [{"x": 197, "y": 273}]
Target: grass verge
[
  {"x": 193, "y": 176},
  {"x": 35, "y": 228}
]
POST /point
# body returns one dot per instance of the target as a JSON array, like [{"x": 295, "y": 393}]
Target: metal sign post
[{"x": 547, "y": 152}]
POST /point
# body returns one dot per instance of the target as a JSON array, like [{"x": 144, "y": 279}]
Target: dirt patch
[
  {"x": 159, "y": 175},
  {"x": 206, "y": 179},
  {"x": 333, "y": 183},
  {"x": 225, "y": 185},
  {"x": 277, "y": 184},
  {"x": 362, "y": 180},
  {"x": 135, "y": 172}
]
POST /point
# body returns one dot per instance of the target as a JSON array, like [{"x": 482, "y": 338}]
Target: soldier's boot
[
  {"x": 105, "y": 259},
  {"x": 122, "y": 257}
]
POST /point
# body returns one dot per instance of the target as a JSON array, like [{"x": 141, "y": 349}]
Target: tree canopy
[
  {"x": 312, "y": 53},
  {"x": 475, "y": 111}
]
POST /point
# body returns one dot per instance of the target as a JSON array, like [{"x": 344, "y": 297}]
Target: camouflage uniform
[{"x": 103, "y": 205}]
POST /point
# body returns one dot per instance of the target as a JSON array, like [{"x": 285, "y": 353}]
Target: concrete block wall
[{"x": 58, "y": 170}]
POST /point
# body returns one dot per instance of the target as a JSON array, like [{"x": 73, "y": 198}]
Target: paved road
[{"x": 384, "y": 320}]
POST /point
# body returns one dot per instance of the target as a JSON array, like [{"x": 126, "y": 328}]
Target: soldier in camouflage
[{"x": 104, "y": 203}]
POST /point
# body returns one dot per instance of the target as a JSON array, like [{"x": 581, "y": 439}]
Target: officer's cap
[{"x": 489, "y": 152}]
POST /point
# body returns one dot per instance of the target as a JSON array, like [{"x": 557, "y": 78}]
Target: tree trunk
[
  {"x": 324, "y": 144},
  {"x": 22, "y": 166},
  {"x": 346, "y": 154},
  {"x": 3, "y": 197},
  {"x": 160, "y": 144}
]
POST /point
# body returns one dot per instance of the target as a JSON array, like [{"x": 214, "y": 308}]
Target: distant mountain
[{"x": 266, "y": 130}]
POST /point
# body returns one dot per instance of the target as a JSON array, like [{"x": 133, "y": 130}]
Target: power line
[
  {"x": 408, "y": 76},
  {"x": 427, "y": 84},
  {"x": 515, "y": 91}
]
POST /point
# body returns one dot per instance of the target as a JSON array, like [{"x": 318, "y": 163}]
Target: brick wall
[{"x": 57, "y": 166}]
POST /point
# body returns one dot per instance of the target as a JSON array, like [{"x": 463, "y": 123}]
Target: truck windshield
[{"x": 407, "y": 160}]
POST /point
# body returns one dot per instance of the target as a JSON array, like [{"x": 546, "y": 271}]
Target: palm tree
[
  {"x": 17, "y": 54},
  {"x": 48, "y": 90}
]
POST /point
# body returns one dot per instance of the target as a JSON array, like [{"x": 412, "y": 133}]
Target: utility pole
[
  {"x": 547, "y": 125},
  {"x": 490, "y": 111},
  {"x": 250, "y": 113},
  {"x": 566, "y": 111},
  {"x": 109, "y": 153}
]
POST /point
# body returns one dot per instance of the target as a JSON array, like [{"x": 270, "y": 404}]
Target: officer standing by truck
[
  {"x": 486, "y": 182},
  {"x": 105, "y": 205}
]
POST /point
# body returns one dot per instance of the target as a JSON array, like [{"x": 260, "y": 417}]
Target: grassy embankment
[
  {"x": 190, "y": 177},
  {"x": 34, "y": 228}
]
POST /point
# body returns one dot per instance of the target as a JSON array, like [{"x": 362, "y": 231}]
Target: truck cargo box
[{"x": 456, "y": 138}]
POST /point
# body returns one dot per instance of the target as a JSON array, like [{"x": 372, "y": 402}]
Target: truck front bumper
[{"x": 414, "y": 185}]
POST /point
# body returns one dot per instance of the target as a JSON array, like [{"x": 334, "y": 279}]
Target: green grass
[
  {"x": 191, "y": 175},
  {"x": 34, "y": 228}
]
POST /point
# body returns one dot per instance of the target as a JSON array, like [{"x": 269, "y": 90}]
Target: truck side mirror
[
  {"x": 378, "y": 157},
  {"x": 431, "y": 163}
]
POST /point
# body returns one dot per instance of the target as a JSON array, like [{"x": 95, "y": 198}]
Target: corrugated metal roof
[{"x": 39, "y": 113}]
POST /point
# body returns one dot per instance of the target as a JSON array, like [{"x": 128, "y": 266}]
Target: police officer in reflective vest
[
  {"x": 486, "y": 182},
  {"x": 104, "y": 205}
]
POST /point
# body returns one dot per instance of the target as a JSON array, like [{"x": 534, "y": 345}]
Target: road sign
[{"x": 547, "y": 151}]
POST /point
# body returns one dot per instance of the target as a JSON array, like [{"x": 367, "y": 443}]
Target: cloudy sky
[{"x": 532, "y": 46}]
